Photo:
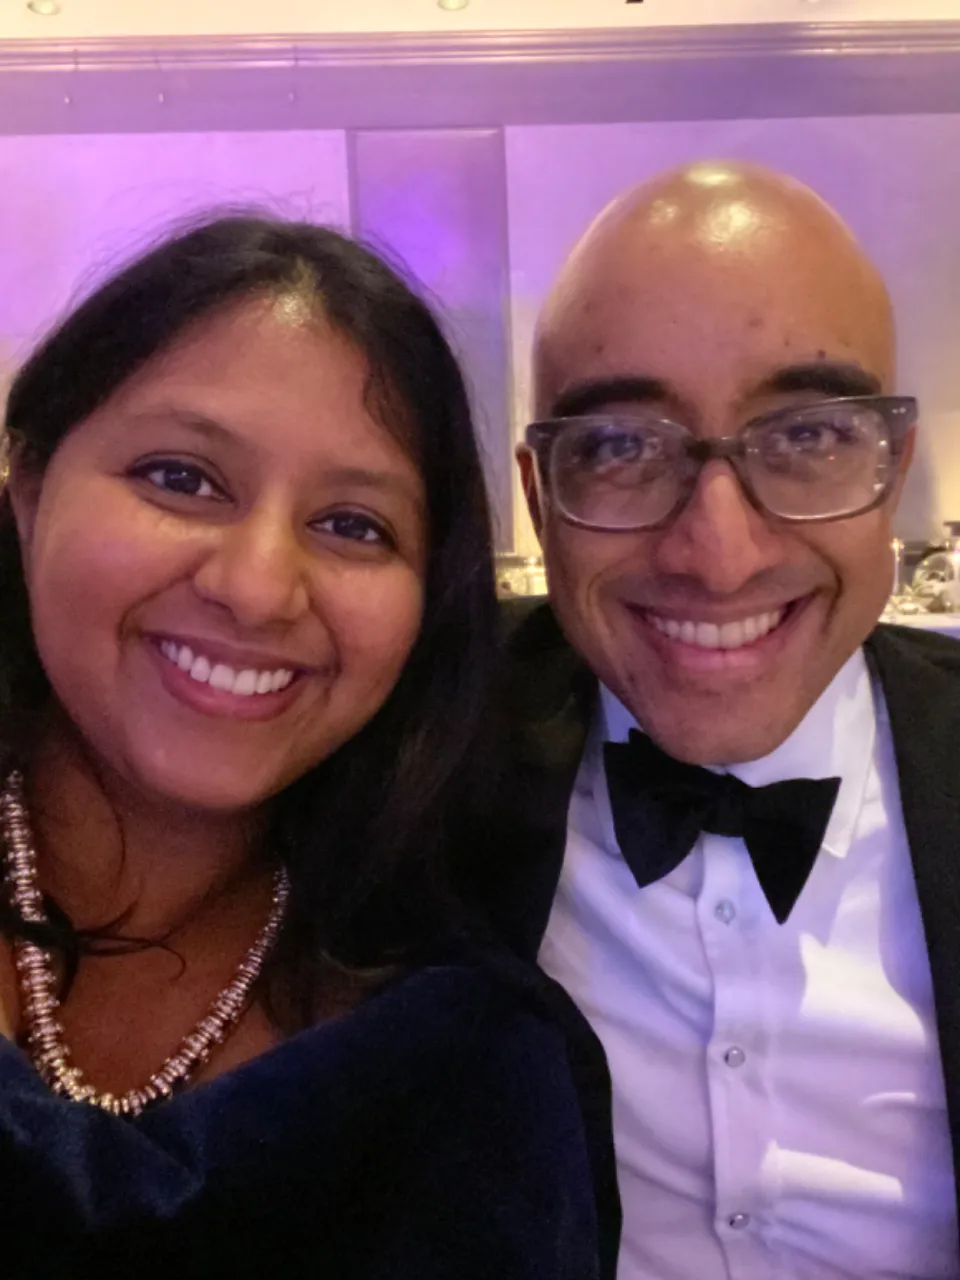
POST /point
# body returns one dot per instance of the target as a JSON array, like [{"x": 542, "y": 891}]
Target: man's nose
[{"x": 719, "y": 539}]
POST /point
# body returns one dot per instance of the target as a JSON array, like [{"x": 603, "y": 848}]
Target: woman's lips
[
  {"x": 210, "y": 688},
  {"x": 244, "y": 681}
]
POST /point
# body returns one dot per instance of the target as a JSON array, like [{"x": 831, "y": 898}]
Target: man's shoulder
[
  {"x": 919, "y": 675},
  {"x": 541, "y": 674},
  {"x": 528, "y": 620},
  {"x": 913, "y": 648}
]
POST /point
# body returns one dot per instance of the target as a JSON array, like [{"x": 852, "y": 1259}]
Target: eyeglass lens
[{"x": 817, "y": 462}]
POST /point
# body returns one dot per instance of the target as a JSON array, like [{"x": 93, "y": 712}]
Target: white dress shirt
[{"x": 779, "y": 1109}]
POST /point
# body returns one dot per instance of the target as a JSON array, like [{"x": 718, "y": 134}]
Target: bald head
[
  {"x": 719, "y": 300},
  {"x": 705, "y": 248}
]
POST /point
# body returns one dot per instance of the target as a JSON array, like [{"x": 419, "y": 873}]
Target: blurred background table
[{"x": 947, "y": 623}]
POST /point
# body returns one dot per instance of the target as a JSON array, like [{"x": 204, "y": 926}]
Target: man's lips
[
  {"x": 740, "y": 642},
  {"x": 733, "y": 633}
]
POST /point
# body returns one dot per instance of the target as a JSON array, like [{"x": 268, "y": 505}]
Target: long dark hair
[{"x": 364, "y": 835}]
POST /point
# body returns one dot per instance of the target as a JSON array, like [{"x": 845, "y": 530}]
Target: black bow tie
[{"x": 660, "y": 807}]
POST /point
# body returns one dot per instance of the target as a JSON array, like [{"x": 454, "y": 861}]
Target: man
[{"x": 771, "y": 968}]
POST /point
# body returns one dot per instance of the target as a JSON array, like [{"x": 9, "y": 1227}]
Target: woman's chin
[{"x": 204, "y": 789}]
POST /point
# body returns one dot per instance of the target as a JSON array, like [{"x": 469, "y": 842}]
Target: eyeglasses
[{"x": 626, "y": 471}]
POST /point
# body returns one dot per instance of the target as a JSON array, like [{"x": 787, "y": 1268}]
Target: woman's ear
[{"x": 22, "y": 486}]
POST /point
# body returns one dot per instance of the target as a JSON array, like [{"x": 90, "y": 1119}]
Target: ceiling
[{"x": 148, "y": 18}]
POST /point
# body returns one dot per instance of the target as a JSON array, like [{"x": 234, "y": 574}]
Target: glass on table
[
  {"x": 936, "y": 579},
  {"x": 903, "y": 599}
]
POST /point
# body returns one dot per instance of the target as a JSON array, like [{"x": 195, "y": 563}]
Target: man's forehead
[
  {"x": 740, "y": 325},
  {"x": 643, "y": 279}
]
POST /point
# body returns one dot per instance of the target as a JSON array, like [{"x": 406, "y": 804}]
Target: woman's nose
[{"x": 256, "y": 570}]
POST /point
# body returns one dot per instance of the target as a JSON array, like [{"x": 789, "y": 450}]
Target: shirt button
[
  {"x": 735, "y": 1057},
  {"x": 725, "y": 911},
  {"x": 737, "y": 1221}
]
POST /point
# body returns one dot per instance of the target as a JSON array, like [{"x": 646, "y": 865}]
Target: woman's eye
[
  {"x": 355, "y": 527},
  {"x": 182, "y": 478}
]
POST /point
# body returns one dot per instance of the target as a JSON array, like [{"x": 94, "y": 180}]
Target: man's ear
[{"x": 530, "y": 479}]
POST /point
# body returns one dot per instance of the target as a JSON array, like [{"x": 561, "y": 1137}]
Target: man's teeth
[
  {"x": 218, "y": 675},
  {"x": 729, "y": 635}
]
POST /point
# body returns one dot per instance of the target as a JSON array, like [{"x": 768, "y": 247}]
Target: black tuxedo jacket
[{"x": 547, "y": 701}]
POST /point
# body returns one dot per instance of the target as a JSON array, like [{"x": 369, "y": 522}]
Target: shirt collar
[{"x": 835, "y": 739}]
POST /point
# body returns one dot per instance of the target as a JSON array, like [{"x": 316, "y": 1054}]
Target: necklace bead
[{"x": 46, "y": 1041}]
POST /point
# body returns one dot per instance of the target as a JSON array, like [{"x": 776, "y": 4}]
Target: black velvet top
[{"x": 454, "y": 1126}]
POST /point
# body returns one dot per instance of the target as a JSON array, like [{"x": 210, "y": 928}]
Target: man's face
[{"x": 711, "y": 340}]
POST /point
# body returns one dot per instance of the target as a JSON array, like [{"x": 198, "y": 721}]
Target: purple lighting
[{"x": 436, "y": 199}]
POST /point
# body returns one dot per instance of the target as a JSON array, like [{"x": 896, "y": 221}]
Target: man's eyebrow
[
  {"x": 829, "y": 377},
  {"x": 596, "y": 393}
]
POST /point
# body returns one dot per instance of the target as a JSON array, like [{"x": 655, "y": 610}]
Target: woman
[{"x": 248, "y": 619}]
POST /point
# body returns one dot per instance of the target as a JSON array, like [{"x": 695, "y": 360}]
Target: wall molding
[
  {"x": 607, "y": 45},
  {"x": 479, "y": 78}
]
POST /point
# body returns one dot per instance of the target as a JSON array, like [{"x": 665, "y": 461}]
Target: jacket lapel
[{"x": 920, "y": 677}]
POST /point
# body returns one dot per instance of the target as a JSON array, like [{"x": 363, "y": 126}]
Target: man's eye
[
  {"x": 354, "y": 526},
  {"x": 626, "y": 446},
  {"x": 182, "y": 478},
  {"x": 817, "y": 437},
  {"x": 809, "y": 437}
]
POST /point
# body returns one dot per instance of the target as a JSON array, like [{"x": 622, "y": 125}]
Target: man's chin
[
  {"x": 719, "y": 749},
  {"x": 718, "y": 730}
]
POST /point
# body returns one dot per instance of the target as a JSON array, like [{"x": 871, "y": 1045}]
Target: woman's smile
[{"x": 209, "y": 678}]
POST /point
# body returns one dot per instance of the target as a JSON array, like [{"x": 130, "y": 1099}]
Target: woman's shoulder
[
  {"x": 524, "y": 1079},
  {"x": 474, "y": 1043},
  {"x": 464, "y": 1108},
  {"x": 483, "y": 1097},
  {"x": 469, "y": 997},
  {"x": 477, "y": 993}
]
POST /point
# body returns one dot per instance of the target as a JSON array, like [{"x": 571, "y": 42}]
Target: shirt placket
[{"x": 729, "y": 910}]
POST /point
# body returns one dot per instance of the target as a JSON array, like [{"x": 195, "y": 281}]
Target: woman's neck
[{"x": 107, "y": 851}]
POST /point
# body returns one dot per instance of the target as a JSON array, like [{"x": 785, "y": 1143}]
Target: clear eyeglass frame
[{"x": 895, "y": 414}]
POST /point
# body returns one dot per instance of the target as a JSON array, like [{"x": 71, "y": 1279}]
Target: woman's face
[{"x": 226, "y": 561}]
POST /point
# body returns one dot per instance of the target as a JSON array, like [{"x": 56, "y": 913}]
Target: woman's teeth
[
  {"x": 218, "y": 675},
  {"x": 710, "y": 635}
]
